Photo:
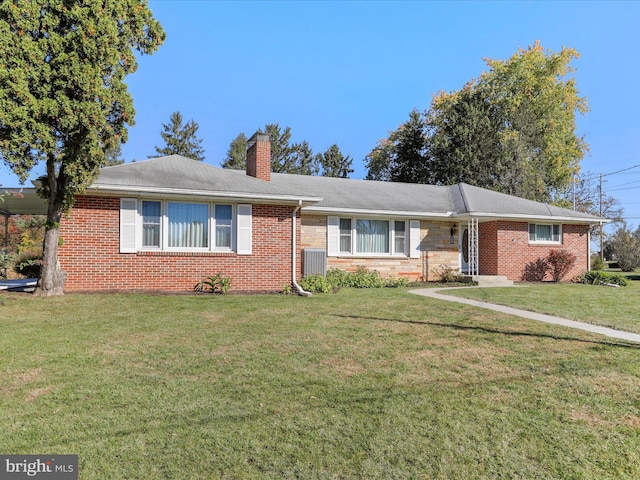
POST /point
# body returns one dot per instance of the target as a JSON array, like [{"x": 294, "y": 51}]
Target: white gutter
[{"x": 294, "y": 249}]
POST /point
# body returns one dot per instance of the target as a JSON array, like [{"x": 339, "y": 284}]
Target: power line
[{"x": 611, "y": 173}]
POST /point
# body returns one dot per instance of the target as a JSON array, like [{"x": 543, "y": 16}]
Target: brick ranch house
[{"x": 166, "y": 223}]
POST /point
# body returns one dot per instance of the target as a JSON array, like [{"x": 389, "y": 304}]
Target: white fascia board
[
  {"x": 136, "y": 191},
  {"x": 527, "y": 218},
  {"x": 378, "y": 213}
]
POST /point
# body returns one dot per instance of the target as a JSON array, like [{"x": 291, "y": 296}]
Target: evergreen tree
[
  {"x": 334, "y": 163},
  {"x": 236, "y": 158},
  {"x": 63, "y": 96},
  {"x": 180, "y": 139}
]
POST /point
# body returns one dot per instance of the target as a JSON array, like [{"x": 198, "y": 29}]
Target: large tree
[
  {"x": 402, "y": 157},
  {"x": 511, "y": 130},
  {"x": 63, "y": 100},
  {"x": 180, "y": 139}
]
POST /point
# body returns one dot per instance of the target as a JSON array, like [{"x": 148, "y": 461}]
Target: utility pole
[
  {"x": 601, "y": 226},
  {"x": 574, "y": 191}
]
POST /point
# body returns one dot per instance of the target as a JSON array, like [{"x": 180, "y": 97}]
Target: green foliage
[
  {"x": 316, "y": 284},
  {"x": 361, "y": 278},
  {"x": 602, "y": 278},
  {"x": 64, "y": 101},
  {"x": 511, "y": 130},
  {"x": 28, "y": 265},
  {"x": 625, "y": 245},
  {"x": 181, "y": 139},
  {"x": 213, "y": 284},
  {"x": 402, "y": 157},
  {"x": 236, "y": 158},
  {"x": 287, "y": 157},
  {"x": 597, "y": 263},
  {"x": 334, "y": 163}
]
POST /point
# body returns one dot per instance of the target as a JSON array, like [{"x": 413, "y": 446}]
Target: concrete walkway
[{"x": 541, "y": 317}]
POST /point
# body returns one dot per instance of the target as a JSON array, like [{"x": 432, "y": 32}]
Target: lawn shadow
[{"x": 498, "y": 331}]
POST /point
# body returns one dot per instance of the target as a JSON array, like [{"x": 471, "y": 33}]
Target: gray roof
[
  {"x": 180, "y": 176},
  {"x": 177, "y": 176},
  {"x": 461, "y": 201}
]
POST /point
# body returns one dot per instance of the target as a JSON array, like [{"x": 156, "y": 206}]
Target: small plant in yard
[
  {"x": 213, "y": 284},
  {"x": 446, "y": 274}
]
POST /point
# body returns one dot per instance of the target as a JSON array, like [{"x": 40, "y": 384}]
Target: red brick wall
[
  {"x": 91, "y": 254},
  {"x": 504, "y": 249}
]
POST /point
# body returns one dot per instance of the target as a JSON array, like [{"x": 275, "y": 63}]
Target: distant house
[{"x": 165, "y": 223}]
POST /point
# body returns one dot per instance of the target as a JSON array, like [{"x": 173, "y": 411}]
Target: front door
[{"x": 464, "y": 250}]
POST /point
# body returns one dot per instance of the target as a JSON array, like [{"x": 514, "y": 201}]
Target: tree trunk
[{"x": 52, "y": 277}]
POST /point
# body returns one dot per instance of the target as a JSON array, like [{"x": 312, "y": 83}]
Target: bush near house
[
  {"x": 361, "y": 278},
  {"x": 557, "y": 264}
]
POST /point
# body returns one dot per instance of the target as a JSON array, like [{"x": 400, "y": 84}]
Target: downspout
[{"x": 294, "y": 255}]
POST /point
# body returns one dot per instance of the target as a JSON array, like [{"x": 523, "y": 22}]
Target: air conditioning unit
[{"x": 314, "y": 262}]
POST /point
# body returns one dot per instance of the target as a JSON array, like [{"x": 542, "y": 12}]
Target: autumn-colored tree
[
  {"x": 63, "y": 96},
  {"x": 511, "y": 130}
]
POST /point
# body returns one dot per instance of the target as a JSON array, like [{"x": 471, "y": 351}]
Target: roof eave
[
  {"x": 385, "y": 213},
  {"x": 139, "y": 191},
  {"x": 526, "y": 217}
]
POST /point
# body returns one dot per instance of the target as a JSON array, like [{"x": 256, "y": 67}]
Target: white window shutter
[
  {"x": 244, "y": 229},
  {"x": 414, "y": 239},
  {"x": 333, "y": 236},
  {"x": 128, "y": 217}
]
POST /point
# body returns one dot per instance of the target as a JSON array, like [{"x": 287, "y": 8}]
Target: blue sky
[{"x": 349, "y": 72}]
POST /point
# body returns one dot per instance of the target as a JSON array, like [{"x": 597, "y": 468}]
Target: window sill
[{"x": 174, "y": 253}]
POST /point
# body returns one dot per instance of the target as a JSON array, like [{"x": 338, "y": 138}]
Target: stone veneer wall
[{"x": 437, "y": 252}]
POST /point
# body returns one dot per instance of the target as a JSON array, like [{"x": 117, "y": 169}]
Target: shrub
[
  {"x": 602, "y": 278},
  {"x": 560, "y": 262},
  {"x": 28, "y": 265},
  {"x": 316, "y": 284},
  {"x": 446, "y": 274},
  {"x": 597, "y": 263},
  {"x": 213, "y": 284},
  {"x": 535, "y": 271},
  {"x": 361, "y": 278}
]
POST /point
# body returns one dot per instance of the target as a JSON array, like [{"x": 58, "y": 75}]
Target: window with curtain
[
  {"x": 345, "y": 235},
  {"x": 188, "y": 225},
  {"x": 372, "y": 236},
  {"x": 151, "y": 215},
  {"x": 546, "y": 233},
  {"x": 223, "y": 218}
]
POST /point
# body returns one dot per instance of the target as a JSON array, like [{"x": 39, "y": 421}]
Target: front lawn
[
  {"x": 600, "y": 305},
  {"x": 361, "y": 384}
]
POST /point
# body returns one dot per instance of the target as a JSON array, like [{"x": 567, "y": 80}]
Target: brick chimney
[{"x": 259, "y": 156}]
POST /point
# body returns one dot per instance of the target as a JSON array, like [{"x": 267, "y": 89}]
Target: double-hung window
[
  {"x": 223, "y": 218},
  {"x": 151, "y": 217},
  {"x": 544, "y": 233}
]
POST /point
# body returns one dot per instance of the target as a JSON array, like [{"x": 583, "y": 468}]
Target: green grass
[
  {"x": 600, "y": 305},
  {"x": 360, "y": 384}
]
